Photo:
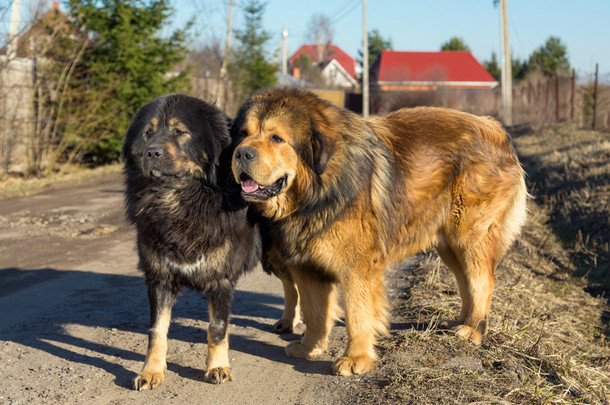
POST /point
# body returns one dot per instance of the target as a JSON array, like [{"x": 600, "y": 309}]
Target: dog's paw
[
  {"x": 147, "y": 380},
  {"x": 283, "y": 326},
  {"x": 468, "y": 333},
  {"x": 299, "y": 350},
  {"x": 449, "y": 323},
  {"x": 346, "y": 366},
  {"x": 218, "y": 375}
]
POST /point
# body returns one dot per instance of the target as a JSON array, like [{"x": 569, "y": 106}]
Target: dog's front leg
[
  {"x": 366, "y": 315},
  {"x": 219, "y": 306},
  {"x": 161, "y": 299},
  {"x": 319, "y": 305},
  {"x": 292, "y": 307}
]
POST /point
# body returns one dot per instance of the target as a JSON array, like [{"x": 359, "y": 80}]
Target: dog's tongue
[{"x": 249, "y": 186}]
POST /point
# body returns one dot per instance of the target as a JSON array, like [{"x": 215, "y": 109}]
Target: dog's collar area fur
[{"x": 251, "y": 190}]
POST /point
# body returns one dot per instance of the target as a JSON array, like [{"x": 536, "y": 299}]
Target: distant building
[
  {"x": 424, "y": 71},
  {"x": 337, "y": 68},
  {"x": 19, "y": 64},
  {"x": 50, "y": 25}
]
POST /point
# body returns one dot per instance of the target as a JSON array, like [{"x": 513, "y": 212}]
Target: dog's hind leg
[
  {"x": 319, "y": 305},
  {"x": 472, "y": 260},
  {"x": 292, "y": 307},
  {"x": 451, "y": 260},
  {"x": 161, "y": 299},
  {"x": 219, "y": 306},
  {"x": 472, "y": 248},
  {"x": 479, "y": 277}
]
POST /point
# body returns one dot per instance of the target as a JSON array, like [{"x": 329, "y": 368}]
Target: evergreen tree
[
  {"x": 248, "y": 69},
  {"x": 126, "y": 64},
  {"x": 377, "y": 44},
  {"x": 552, "y": 57},
  {"x": 493, "y": 66},
  {"x": 455, "y": 44},
  {"x": 518, "y": 68}
]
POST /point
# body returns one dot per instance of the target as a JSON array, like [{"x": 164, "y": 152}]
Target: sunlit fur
[{"x": 363, "y": 194}]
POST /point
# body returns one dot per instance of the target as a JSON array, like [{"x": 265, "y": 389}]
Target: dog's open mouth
[{"x": 252, "y": 189}]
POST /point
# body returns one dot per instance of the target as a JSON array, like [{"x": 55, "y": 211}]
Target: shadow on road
[{"x": 101, "y": 320}]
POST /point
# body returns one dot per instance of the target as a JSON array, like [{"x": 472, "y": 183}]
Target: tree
[
  {"x": 320, "y": 33},
  {"x": 377, "y": 44},
  {"x": 320, "y": 30},
  {"x": 552, "y": 57},
  {"x": 455, "y": 44},
  {"x": 248, "y": 69},
  {"x": 493, "y": 66},
  {"x": 310, "y": 72},
  {"x": 518, "y": 68},
  {"x": 128, "y": 58}
]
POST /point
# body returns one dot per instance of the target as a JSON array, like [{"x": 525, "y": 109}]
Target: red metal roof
[
  {"x": 332, "y": 52},
  {"x": 449, "y": 67}
]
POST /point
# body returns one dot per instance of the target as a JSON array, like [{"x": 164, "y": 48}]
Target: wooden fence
[{"x": 537, "y": 101}]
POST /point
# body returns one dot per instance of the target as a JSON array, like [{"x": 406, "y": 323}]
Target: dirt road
[{"x": 74, "y": 316}]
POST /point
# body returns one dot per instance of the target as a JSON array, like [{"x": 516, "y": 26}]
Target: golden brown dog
[{"x": 348, "y": 197}]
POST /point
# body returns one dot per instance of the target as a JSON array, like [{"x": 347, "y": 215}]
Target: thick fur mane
[
  {"x": 354, "y": 160},
  {"x": 177, "y": 220}
]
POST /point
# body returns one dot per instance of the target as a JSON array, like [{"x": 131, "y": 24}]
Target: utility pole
[
  {"x": 507, "y": 76},
  {"x": 285, "y": 50},
  {"x": 595, "y": 96},
  {"x": 13, "y": 30},
  {"x": 572, "y": 95},
  {"x": 557, "y": 101},
  {"x": 365, "y": 64},
  {"x": 220, "y": 88}
]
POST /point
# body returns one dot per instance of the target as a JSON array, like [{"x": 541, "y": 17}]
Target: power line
[
  {"x": 345, "y": 13},
  {"x": 341, "y": 9}
]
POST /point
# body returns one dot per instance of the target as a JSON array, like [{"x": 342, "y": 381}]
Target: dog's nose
[
  {"x": 245, "y": 154},
  {"x": 154, "y": 152}
]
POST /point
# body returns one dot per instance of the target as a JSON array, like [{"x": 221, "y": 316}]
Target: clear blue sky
[
  {"x": 423, "y": 25},
  {"x": 418, "y": 25}
]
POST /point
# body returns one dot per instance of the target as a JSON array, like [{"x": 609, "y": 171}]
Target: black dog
[{"x": 192, "y": 225}]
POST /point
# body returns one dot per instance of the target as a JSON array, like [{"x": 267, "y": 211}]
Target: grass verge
[{"x": 17, "y": 186}]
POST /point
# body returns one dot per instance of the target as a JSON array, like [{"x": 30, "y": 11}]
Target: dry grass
[
  {"x": 569, "y": 173},
  {"x": 547, "y": 341},
  {"x": 17, "y": 186}
]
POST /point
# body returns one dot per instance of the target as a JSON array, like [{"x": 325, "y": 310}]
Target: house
[
  {"x": 337, "y": 68},
  {"x": 20, "y": 61},
  {"x": 423, "y": 71},
  {"x": 48, "y": 27}
]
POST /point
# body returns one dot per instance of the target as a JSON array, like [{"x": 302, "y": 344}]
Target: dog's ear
[{"x": 323, "y": 147}]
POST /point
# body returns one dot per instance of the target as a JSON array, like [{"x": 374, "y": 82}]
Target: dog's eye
[
  {"x": 276, "y": 138},
  {"x": 148, "y": 132},
  {"x": 179, "y": 132},
  {"x": 244, "y": 133}
]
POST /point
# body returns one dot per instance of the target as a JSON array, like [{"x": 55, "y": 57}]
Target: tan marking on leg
[
  {"x": 218, "y": 370},
  {"x": 153, "y": 372}
]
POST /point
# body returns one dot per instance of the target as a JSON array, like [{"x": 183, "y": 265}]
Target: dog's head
[
  {"x": 175, "y": 136},
  {"x": 284, "y": 140}
]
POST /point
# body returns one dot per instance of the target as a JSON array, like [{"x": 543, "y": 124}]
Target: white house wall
[{"x": 16, "y": 113}]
